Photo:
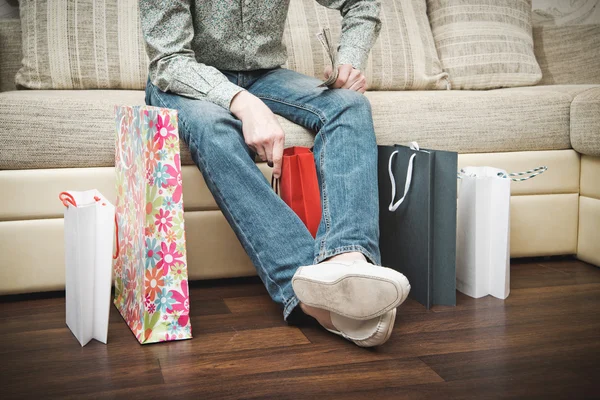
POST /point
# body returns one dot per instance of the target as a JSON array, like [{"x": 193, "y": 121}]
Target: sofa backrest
[
  {"x": 10, "y": 52},
  {"x": 566, "y": 36},
  {"x": 566, "y": 54}
]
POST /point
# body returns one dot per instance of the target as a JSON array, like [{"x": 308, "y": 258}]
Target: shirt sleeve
[
  {"x": 168, "y": 31},
  {"x": 360, "y": 29}
]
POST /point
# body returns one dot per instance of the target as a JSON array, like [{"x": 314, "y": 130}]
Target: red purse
[{"x": 299, "y": 187}]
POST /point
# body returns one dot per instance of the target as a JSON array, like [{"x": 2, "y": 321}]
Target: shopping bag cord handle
[
  {"x": 525, "y": 175},
  {"x": 275, "y": 184},
  {"x": 120, "y": 149},
  {"x": 67, "y": 198},
  {"x": 394, "y": 206},
  {"x": 118, "y": 249},
  {"x": 532, "y": 173}
]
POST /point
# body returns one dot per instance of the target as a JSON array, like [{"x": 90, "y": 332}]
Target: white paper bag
[
  {"x": 483, "y": 230},
  {"x": 89, "y": 230}
]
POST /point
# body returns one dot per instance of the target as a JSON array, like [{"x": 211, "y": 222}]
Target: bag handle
[
  {"x": 67, "y": 198},
  {"x": 394, "y": 206},
  {"x": 120, "y": 149},
  {"x": 275, "y": 184},
  {"x": 525, "y": 175}
]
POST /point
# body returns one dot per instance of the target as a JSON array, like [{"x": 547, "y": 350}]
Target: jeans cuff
[
  {"x": 373, "y": 259},
  {"x": 289, "y": 307}
]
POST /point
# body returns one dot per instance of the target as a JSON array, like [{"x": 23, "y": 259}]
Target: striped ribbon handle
[
  {"x": 525, "y": 175},
  {"x": 532, "y": 173}
]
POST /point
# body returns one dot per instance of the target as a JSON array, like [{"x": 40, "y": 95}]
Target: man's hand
[
  {"x": 348, "y": 78},
  {"x": 262, "y": 132}
]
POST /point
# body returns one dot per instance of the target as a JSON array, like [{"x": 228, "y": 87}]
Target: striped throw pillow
[
  {"x": 485, "y": 44},
  {"x": 84, "y": 44},
  {"x": 404, "y": 56}
]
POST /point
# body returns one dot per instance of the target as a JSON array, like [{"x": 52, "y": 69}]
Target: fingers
[
  {"x": 343, "y": 75},
  {"x": 278, "y": 146},
  {"x": 360, "y": 85},
  {"x": 327, "y": 72},
  {"x": 269, "y": 153},
  {"x": 350, "y": 78},
  {"x": 269, "y": 148},
  {"x": 353, "y": 78},
  {"x": 261, "y": 151}
]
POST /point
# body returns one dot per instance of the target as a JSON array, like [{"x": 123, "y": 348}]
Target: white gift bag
[
  {"x": 89, "y": 229},
  {"x": 483, "y": 230}
]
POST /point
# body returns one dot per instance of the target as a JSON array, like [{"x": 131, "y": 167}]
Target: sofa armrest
[{"x": 585, "y": 122}]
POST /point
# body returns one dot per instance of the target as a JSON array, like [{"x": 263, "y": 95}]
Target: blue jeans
[{"x": 345, "y": 153}]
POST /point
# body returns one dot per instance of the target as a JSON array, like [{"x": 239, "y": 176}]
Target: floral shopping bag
[{"x": 151, "y": 286}]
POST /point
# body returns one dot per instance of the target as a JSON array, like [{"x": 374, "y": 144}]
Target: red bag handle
[{"x": 67, "y": 198}]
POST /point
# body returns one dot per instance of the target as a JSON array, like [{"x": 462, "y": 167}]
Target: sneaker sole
[{"x": 354, "y": 296}]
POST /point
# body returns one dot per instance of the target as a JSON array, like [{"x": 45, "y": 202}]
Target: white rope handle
[
  {"x": 532, "y": 173},
  {"x": 394, "y": 206},
  {"x": 119, "y": 148}
]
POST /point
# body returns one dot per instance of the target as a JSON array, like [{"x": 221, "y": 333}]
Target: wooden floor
[{"x": 542, "y": 342}]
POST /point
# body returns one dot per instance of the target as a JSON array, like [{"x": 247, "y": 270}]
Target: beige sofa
[{"x": 57, "y": 140}]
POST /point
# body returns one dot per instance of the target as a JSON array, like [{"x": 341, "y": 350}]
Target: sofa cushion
[
  {"x": 485, "y": 44},
  {"x": 585, "y": 122},
  {"x": 82, "y": 45},
  {"x": 63, "y": 129},
  {"x": 73, "y": 128}
]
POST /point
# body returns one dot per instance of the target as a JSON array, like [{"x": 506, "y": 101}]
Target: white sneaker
[
  {"x": 369, "y": 333},
  {"x": 356, "y": 290}
]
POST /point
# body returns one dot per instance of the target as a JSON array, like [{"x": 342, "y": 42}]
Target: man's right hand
[{"x": 262, "y": 132}]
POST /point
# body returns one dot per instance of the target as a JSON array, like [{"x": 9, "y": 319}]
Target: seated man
[{"x": 218, "y": 63}]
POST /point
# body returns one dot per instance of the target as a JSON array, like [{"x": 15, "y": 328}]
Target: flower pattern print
[
  {"x": 168, "y": 256},
  {"x": 182, "y": 305},
  {"x": 164, "y": 130},
  {"x": 152, "y": 249},
  {"x": 175, "y": 179},
  {"x": 164, "y": 301},
  {"x": 161, "y": 174},
  {"x": 154, "y": 281},
  {"x": 170, "y": 237},
  {"x": 151, "y": 290},
  {"x": 163, "y": 220},
  {"x": 131, "y": 285},
  {"x": 168, "y": 203},
  {"x": 178, "y": 271},
  {"x": 171, "y": 144}
]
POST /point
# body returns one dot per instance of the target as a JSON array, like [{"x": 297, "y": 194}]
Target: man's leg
[
  {"x": 356, "y": 300},
  {"x": 346, "y": 158},
  {"x": 272, "y": 235}
]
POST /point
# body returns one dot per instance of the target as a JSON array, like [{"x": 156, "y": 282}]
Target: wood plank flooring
[{"x": 542, "y": 342}]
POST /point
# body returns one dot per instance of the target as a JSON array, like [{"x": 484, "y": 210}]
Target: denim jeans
[{"x": 345, "y": 154}]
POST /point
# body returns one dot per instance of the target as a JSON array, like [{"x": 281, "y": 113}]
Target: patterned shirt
[{"x": 189, "y": 41}]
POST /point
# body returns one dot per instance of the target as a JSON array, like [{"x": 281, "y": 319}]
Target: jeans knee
[{"x": 355, "y": 101}]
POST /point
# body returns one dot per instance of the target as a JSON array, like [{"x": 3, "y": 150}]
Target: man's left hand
[{"x": 348, "y": 78}]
